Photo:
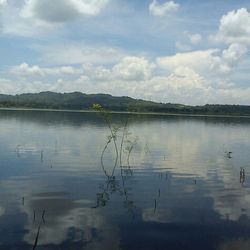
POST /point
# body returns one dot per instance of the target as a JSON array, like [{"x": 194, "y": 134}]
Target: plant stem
[{"x": 123, "y": 135}]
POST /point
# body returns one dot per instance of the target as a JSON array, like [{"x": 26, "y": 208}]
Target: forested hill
[{"x": 80, "y": 101}]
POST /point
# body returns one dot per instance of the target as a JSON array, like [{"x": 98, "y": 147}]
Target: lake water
[{"x": 178, "y": 189}]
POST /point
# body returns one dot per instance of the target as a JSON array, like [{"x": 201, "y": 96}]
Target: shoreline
[{"x": 127, "y": 112}]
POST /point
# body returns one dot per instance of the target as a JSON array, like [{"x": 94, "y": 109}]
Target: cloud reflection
[{"x": 178, "y": 162}]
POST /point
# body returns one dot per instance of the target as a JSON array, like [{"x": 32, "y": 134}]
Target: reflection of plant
[
  {"x": 103, "y": 196},
  {"x": 126, "y": 146},
  {"x": 38, "y": 230},
  {"x": 130, "y": 146},
  {"x": 112, "y": 186}
]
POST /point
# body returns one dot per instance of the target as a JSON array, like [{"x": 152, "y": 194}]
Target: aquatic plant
[
  {"x": 113, "y": 132},
  {"x": 242, "y": 175},
  {"x": 126, "y": 143},
  {"x": 228, "y": 154}
]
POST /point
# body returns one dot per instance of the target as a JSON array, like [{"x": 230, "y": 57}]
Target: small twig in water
[
  {"x": 155, "y": 207},
  {"x": 43, "y": 214},
  {"x": 38, "y": 231},
  {"x": 42, "y": 156},
  {"x": 121, "y": 146},
  {"x": 37, "y": 236}
]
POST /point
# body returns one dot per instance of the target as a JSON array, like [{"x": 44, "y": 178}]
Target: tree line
[{"x": 81, "y": 101}]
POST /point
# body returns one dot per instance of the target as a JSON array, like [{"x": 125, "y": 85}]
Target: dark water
[{"x": 178, "y": 189}]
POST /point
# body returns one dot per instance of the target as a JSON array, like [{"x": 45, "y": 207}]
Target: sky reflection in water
[{"x": 181, "y": 192}]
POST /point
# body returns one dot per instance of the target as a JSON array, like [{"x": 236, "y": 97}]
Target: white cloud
[
  {"x": 203, "y": 76},
  {"x": 133, "y": 68},
  {"x": 188, "y": 76},
  {"x": 182, "y": 47},
  {"x": 197, "y": 60},
  {"x": 24, "y": 27},
  {"x": 229, "y": 58},
  {"x": 182, "y": 85},
  {"x": 234, "y": 27},
  {"x": 3, "y": 3},
  {"x": 98, "y": 73},
  {"x": 59, "y": 11},
  {"x": 234, "y": 52},
  {"x": 130, "y": 68},
  {"x": 25, "y": 70},
  {"x": 15, "y": 87},
  {"x": 164, "y": 9},
  {"x": 68, "y": 70},
  {"x": 196, "y": 77},
  {"x": 195, "y": 38},
  {"x": 78, "y": 53},
  {"x": 206, "y": 62}
]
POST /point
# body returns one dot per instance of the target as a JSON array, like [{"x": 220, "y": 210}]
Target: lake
[{"x": 172, "y": 185}]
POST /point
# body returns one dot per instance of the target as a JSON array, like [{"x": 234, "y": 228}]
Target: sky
[{"x": 183, "y": 51}]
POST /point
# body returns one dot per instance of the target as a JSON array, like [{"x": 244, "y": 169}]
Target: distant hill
[{"x": 80, "y": 101}]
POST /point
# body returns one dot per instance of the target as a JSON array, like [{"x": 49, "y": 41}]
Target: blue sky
[{"x": 182, "y": 51}]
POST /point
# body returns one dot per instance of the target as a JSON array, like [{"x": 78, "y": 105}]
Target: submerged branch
[{"x": 121, "y": 146}]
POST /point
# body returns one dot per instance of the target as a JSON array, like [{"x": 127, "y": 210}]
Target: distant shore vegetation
[{"x": 81, "y": 101}]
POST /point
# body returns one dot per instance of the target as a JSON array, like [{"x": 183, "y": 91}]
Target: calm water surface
[{"x": 177, "y": 190}]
